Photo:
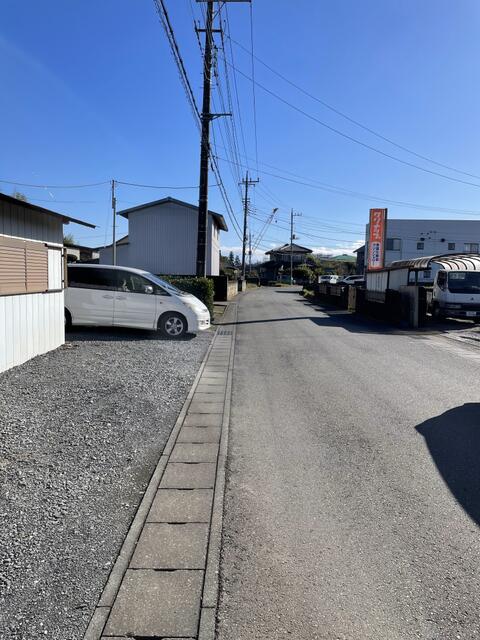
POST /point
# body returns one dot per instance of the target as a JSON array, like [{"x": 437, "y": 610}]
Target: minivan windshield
[
  {"x": 464, "y": 281},
  {"x": 166, "y": 285}
]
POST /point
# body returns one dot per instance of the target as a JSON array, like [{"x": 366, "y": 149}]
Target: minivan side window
[
  {"x": 133, "y": 283},
  {"x": 92, "y": 278}
]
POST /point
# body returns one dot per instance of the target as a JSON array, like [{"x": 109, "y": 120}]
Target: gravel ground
[{"x": 81, "y": 430}]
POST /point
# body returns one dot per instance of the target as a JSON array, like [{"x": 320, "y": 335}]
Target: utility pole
[
  {"x": 206, "y": 117},
  {"x": 292, "y": 238},
  {"x": 114, "y": 225},
  {"x": 250, "y": 252},
  {"x": 205, "y": 147},
  {"x": 247, "y": 182}
]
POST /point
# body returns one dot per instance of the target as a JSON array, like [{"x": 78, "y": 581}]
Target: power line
[
  {"x": 323, "y": 186},
  {"x": 349, "y": 118},
  {"x": 167, "y": 26},
  {"x": 165, "y": 21},
  {"x": 235, "y": 84},
  {"x": 253, "y": 87},
  {"x": 57, "y": 186},
  {"x": 155, "y": 186},
  {"x": 351, "y": 138}
]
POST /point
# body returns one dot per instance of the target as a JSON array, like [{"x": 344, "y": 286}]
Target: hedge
[{"x": 201, "y": 288}]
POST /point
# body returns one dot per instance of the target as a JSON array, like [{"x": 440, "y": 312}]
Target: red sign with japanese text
[{"x": 376, "y": 239}]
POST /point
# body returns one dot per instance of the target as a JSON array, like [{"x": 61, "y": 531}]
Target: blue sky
[{"x": 90, "y": 93}]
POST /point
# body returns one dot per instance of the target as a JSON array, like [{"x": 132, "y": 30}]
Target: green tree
[
  {"x": 231, "y": 258},
  {"x": 68, "y": 239},
  {"x": 19, "y": 196},
  {"x": 237, "y": 263}
]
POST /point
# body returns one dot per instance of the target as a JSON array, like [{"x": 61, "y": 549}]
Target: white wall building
[
  {"x": 407, "y": 239},
  {"x": 162, "y": 239},
  {"x": 31, "y": 280}
]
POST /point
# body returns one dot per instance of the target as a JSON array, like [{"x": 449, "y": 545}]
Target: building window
[
  {"x": 420, "y": 246},
  {"x": 451, "y": 246},
  {"x": 471, "y": 247},
  {"x": 393, "y": 244}
]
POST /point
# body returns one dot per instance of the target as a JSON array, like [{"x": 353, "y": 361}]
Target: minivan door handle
[{"x": 108, "y": 297}]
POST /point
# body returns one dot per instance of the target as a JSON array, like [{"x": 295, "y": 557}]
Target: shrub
[
  {"x": 303, "y": 273},
  {"x": 201, "y": 288}
]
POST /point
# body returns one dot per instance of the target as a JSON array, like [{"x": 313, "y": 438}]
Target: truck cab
[{"x": 456, "y": 294}]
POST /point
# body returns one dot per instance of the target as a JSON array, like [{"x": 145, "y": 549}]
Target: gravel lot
[{"x": 81, "y": 430}]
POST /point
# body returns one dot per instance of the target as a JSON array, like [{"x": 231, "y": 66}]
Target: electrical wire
[
  {"x": 346, "y": 136},
  {"x": 57, "y": 186},
  {"x": 155, "y": 186},
  {"x": 349, "y": 118},
  {"x": 323, "y": 186},
  {"x": 165, "y": 21},
  {"x": 253, "y": 87}
]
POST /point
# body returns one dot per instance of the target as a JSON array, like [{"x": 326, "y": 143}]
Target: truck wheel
[
  {"x": 436, "y": 313},
  {"x": 173, "y": 325}
]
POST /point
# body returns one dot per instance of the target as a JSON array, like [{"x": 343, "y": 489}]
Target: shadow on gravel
[
  {"x": 453, "y": 440},
  {"x": 112, "y": 334}
]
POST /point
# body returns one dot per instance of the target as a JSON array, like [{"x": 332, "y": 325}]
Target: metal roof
[
  {"x": 34, "y": 207},
  {"x": 219, "y": 219},
  {"x": 288, "y": 248},
  {"x": 448, "y": 261}
]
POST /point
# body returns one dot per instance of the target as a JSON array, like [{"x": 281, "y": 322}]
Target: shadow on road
[
  {"x": 453, "y": 440},
  {"x": 334, "y": 318}
]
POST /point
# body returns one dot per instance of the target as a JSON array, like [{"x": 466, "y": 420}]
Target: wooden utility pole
[
  {"x": 247, "y": 182},
  {"x": 206, "y": 117},
  {"x": 250, "y": 252},
  {"x": 114, "y": 225},
  {"x": 205, "y": 146},
  {"x": 292, "y": 238}
]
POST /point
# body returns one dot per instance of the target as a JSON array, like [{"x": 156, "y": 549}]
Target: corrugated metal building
[
  {"x": 408, "y": 239},
  {"x": 31, "y": 280},
  {"x": 162, "y": 239}
]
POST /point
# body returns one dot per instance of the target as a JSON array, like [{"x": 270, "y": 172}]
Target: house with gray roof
[{"x": 162, "y": 239}]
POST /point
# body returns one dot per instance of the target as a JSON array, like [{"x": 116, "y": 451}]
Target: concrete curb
[
  {"x": 210, "y": 596},
  {"x": 119, "y": 609},
  {"x": 109, "y": 593}
]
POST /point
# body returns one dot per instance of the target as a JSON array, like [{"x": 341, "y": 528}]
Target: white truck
[
  {"x": 446, "y": 285},
  {"x": 455, "y": 294}
]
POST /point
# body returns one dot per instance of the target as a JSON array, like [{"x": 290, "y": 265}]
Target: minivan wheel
[
  {"x": 68, "y": 320},
  {"x": 173, "y": 325}
]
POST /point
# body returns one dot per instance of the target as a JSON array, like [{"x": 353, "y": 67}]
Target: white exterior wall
[
  {"x": 123, "y": 258},
  {"x": 162, "y": 239},
  {"x": 411, "y": 231},
  {"x": 32, "y": 323},
  {"x": 213, "y": 249}
]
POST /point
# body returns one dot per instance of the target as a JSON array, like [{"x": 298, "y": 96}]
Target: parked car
[
  {"x": 354, "y": 280},
  {"x": 102, "y": 295},
  {"x": 329, "y": 279},
  {"x": 323, "y": 279}
]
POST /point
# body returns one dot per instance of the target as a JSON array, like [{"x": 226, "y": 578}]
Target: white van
[{"x": 102, "y": 295}]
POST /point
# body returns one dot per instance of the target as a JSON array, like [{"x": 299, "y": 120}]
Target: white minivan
[{"x": 108, "y": 296}]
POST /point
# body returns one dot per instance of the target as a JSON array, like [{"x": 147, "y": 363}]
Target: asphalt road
[{"x": 353, "y": 497}]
